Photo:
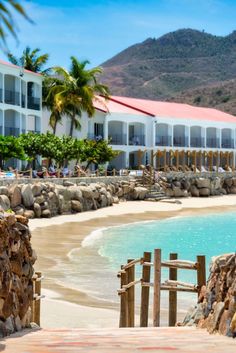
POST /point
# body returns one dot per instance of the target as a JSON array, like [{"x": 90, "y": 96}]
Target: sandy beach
[{"x": 53, "y": 239}]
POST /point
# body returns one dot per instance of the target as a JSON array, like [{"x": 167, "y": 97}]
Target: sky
[{"x": 97, "y": 30}]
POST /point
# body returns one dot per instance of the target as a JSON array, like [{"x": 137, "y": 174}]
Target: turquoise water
[{"x": 210, "y": 235}]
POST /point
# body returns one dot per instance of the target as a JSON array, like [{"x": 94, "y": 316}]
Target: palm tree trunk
[
  {"x": 54, "y": 129},
  {"x": 72, "y": 123}
]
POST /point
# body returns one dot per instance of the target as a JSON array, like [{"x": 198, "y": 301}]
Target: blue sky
[{"x": 97, "y": 30}]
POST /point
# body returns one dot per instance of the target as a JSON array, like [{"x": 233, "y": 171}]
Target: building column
[
  {"x": 127, "y": 134},
  {"x": 205, "y": 137},
  {"x": 3, "y": 122},
  {"x": 220, "y": 137},
  {"x": 105, "y": 129},
  {"x": 3, "y": 88},
  {"x": 154, "y": 134},
  {"x": 188, "y": 129},
  {"x": 172, "y": 135}
]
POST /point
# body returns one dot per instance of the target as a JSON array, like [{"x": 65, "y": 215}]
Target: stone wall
[
  {"x": 16, "y": 270},
  {"x": 216, "y": 308},
  {"x": 47, "y": 199},
  {"x": 184, "y": 185}
]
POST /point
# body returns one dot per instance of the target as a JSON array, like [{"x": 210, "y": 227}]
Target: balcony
[
  {"x": 213, "y": 143},
  {"x": 117, "y": 139},
  {"x": 1, "y": 130},
  {"x": 163, "y": 140},
  {"x": 12, "y": 131},
  {"x": 137, "y": 140},
  {"x": 227, "y": 143},
  {"x": 34, "y": 103},
  {"x": 180, "y": 141},
  {"x": 1, "y": 97},
  {"x": 197, "y": 142},
  {"x": 12, "y": 97}
]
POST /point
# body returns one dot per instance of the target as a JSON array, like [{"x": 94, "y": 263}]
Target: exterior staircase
[
  {"x": 154, "y": 195},
  {"x": 128, "y": 340}
]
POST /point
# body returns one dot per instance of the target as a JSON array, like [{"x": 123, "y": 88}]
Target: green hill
[{"x": 183, "y": 65}]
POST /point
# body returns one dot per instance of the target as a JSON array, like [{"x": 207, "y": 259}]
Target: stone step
[{"x": 128, "y": 340}]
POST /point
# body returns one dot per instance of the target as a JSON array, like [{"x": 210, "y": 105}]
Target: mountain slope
[{"x": 173, "y": 66}]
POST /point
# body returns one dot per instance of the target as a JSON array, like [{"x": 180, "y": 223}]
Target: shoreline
[{"x": 90, "y": 309}]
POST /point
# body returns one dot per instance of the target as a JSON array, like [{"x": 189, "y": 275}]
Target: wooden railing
[
  {"x": 172, "y": 285},
  {"x": 37, "y": 296}
]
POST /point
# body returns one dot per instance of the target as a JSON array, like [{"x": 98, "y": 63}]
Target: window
[{"x": 98, "y": 130}]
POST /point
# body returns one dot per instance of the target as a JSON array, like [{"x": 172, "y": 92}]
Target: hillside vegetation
[{"x": 186, "y": 65}]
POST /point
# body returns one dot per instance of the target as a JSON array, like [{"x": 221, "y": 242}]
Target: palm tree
[
  {"x": 30, "y": 60},
  {"x": 7, "y": 23},
  {"x": 77, "y": 91}
]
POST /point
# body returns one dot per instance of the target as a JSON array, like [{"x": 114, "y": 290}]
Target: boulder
[
  {"x": 86, "y": 192},
  {"x": 46, "y": 213},
  {"x": 76, "y": 193},
  {"x": 204, "y": 192},
  {"x": 194, "y": 191},
  {"x": 67, "y": 183},
  {"x": 4, "y": 202},
  {"x": 178, "y": 192},
  {"x": 232, "y": 190},
  {"x": 29, "y": 214},
  {"x": 4, "y": 190},
  {"x": 27, "y": 195},
  {"x": 37, "y": 210},
  {"x": 139, "y": 193},
  {"x": 76, "y": 206},
  {"x": 36, "y": 189},
  {"x": 15, "y": 196},
  {"x": 203, "y": 183},
  {"x": 19, "y": 210}
]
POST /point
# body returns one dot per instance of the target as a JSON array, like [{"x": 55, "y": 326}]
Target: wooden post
[
  {"x": 123, "y": 301},
  {"x": 157, "y": 288},
  {"x": 139, "y": 158},
  {"x": 145, "y": 291},
  {"x": 195, "y": 161},
  {"x": 131, "y": 296},
  {"x": 165, "y": 160},
  {"x": 201, "y": 272},
  {"x": 177, "y": 159},
  {"x": 173, "y": 295},
  {"x": 31, "y": 173},
  {"x": 97, "y": 173},
  {"x": 114, "y": 172},
  {"x": 105, "y": 172},
  {"x": 37, "y": 302},
  {"x": 152, "y": 158},
  {"x": 211, "y": 160},
  {"x": 227, "y": 158},
  {"x": 217, "y": 161},
  {"x": 183, "y": 156},
  {"x": 200, "y": 161}
]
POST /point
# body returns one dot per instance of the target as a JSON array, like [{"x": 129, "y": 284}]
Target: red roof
[
  {"x": 19, "y": 67},
  {"x": 164, "y": 109}
]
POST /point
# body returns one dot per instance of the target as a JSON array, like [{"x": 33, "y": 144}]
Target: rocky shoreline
[{"x": 216, "y": 308}]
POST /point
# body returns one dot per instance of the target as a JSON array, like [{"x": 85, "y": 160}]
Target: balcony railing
[
  {"x": 94, "y": 137},
  {"x": 12, "y": 97},
  {"x": 213, "y": 142},
  {"x": 163, "y": 140},
  {"x": 23, "y": 100},
  {"x": 137, "y": 140},
  {"x": 12, "y": 131},
  {"x": 117, "y": 139},
  {"x": 227, "y": 143},
  {"x": 34, "y": 103},
  {"x": 197, "y": 142},
  {"x": 1, "y": 97},
  {"x": 180, "y": 141}
]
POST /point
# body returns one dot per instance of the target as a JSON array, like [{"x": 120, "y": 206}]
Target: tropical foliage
[
  {"x": 31, "y": 60},
  {"x": 75, "y": 93},
  {"x": 7, "y": 23},
  {"x": 10, "y": 147}
]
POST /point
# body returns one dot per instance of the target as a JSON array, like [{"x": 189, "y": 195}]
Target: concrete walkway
[{"x": 182, "y": 340}]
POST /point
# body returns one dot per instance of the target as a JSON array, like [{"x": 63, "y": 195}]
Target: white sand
[{"x": 58, "y": 313}]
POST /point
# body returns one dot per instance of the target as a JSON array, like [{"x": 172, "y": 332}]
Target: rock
[
  {"x": 194, "y": 191},
  {"x": 27, "y": 195},
  {"x": 115, "y": 199},
  {"x": 86, "y": 192},
  {"x": 76, "y": 206},
  {"x": 228, "y": 182},
  {"x": 203, "y": 183},
  {"x": 19, "y": 210},
  {"x": 46, "y": 213},
  {"x": 76, "y": 193},
  {"x": 139, "y": 193},
  {"x": 68, "y": 183},
  {"x": 36, "y": 189},
  {"x": 37, "y": 210},
  {"x": 204, "y": 192},
  {"x": 29, "y": 214},
  {"x": 169, "y": 192},
  {"x": 4, "y": 190},
  {"x": 4, "y": 202},
  {"x": 232, "y": 190},
  {"x": 215, "y": 318},
  {"x": 234, "y": 181},
  {"x": 178, "y": 192},
  {"x": 15, "y": 196}
]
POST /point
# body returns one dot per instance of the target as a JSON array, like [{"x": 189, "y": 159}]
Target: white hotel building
[
  {"x": 158, "y": 133},
  {"x": 20, "y": 100}
]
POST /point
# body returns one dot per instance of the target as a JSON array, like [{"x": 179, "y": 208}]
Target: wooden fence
[
  {"x": 172, "y": 285},
  {"x": 37, "y": 296}
]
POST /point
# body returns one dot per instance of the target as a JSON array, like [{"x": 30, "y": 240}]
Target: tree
[
  {"x": 7, "y": 23},
  {"x": 78, "y": 90},
  {"x": 97, "y": 152},
  {"x": 30, "y": 60},
  {"x": 10, "y": 147},
  {"x": 32, "y": 145}
]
